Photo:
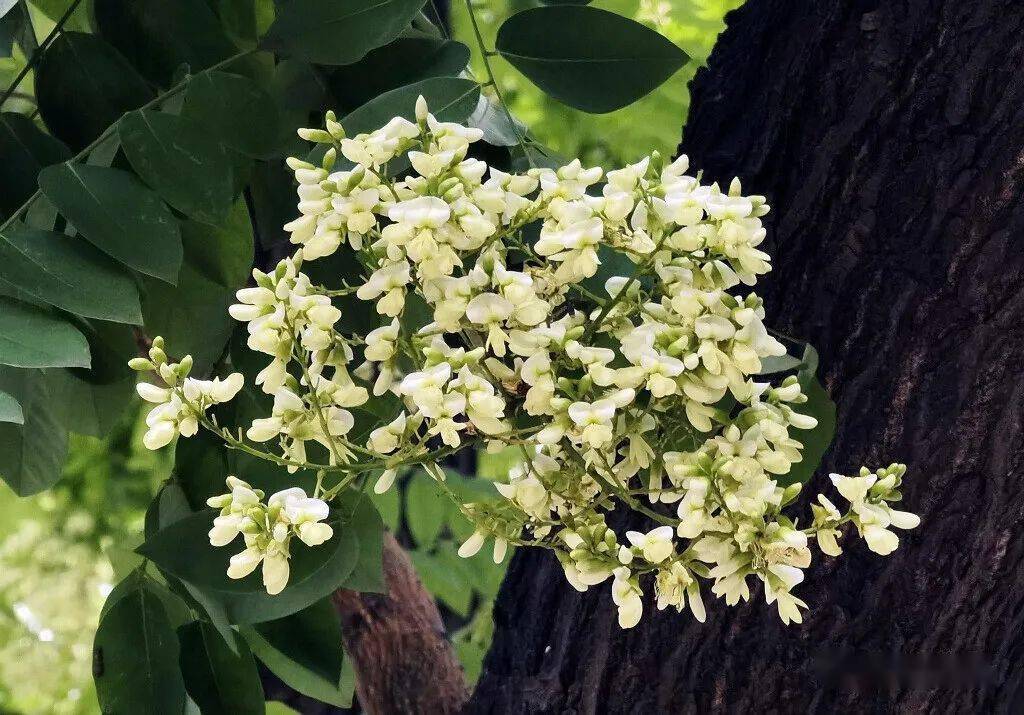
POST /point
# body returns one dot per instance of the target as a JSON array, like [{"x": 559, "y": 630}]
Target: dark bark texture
[{"x": 889, "y": 139}]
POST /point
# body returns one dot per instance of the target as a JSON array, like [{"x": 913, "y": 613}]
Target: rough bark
[
  {"x": 396, "y": 640},
  {"x": 888, "y": 137}
]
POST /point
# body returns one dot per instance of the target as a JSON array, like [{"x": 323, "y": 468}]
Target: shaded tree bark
[
  {"x": 396, "y": 640},
  {"x": 889, "y": 138}
]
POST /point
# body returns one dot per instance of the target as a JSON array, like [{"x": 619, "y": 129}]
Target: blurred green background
[{"x": 61, "y": 551}]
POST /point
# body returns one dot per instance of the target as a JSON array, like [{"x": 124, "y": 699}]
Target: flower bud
[
  {"x": 141, "y": 364},
  {"x": 318, "y": 136}
]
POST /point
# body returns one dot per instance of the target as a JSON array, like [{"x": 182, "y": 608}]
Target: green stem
[
  {"x": 113, "y": 127},
  {"x": 486, "y": 55}
]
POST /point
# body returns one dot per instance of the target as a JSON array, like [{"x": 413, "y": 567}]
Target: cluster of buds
[{"x": 183, "y": 401}]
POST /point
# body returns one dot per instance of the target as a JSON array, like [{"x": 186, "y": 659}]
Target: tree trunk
[
  {"x": 402, "y": 661},
  {"x": 889, "y": 139}
]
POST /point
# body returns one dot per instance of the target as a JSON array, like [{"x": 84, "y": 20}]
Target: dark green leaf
[
  {"x": 92, "y": 401},
  {"x": 24, "y": 150},
  {"x": 200, "y": 467},
  {"x": 192, "y": 316},
  {"x": 311, "y": 638},
  {"x": 245, "y": 21},
  {"x": 69, "y": 273},
  {"x": 234, "y": 110},
  {"x": 410, "y": 58},
  {"x": 84, "y": 85},
  {"x": 177, "y": 158},
  {"x": 10, "y": 410},
  {"x": 450, "y": 100},
  {"x": 33, "y": 337},
  {"x": 425, "y": 509},
  {"x": 159, "y": 36},
  {"x": 219, "y": 677},
  {"x": 222, "y": 252},
  {"x": 184, "y": 550},
  {"x": 365, "y": 523},
  {"x": 590, "y": 59},
  {"x": 118, "y": 215},
  {"x": 135, "y": 657},
  {"x": 31, "y": 454},
  {"x": 288, "y": 665},
  {"x": 339, "y": 33},
  {"x": 817, "y": 440}
]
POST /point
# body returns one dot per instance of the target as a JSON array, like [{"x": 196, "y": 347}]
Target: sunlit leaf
[{"x": 590, "y": 59}]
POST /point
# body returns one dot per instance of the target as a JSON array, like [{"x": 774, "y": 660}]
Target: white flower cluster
[
  {"x": 184, "y": 401},
  {"x": 267, "y": 529},
  {"x": 601, "y": 324}
]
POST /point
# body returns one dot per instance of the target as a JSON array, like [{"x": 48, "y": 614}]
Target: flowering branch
[{"x": 648, "y": 398}]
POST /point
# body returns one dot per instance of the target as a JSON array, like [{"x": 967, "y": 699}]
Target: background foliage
[{"x": 63, "y": 551}]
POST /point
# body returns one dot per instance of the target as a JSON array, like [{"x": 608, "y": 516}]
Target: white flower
[{"x": 656, "y": 545}]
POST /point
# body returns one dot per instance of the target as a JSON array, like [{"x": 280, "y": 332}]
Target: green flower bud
[{"x": 141, "y": 364}]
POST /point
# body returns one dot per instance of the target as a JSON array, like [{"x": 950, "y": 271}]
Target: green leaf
[
  {"x": 425, "y": 509},
  {"x": 235, "y": 111},
  {"x": 33, "y": 337},
  {"x": 200, "y": 467},
  {"x": 180, "y": 161},
  {"x": 277, "y": 708},
  {"x": 410, "y": 58},
  {"x": 69, "y": 273},
  {"x": 55, "y": 9},
  {"x": 492, "y": 119},
  {"x": 31, "y": 454},
  {"x": 24, "y": 150},
  {"x": 311, "y": 638},
  {"x": 450, "y": 100},
  {"x": 327, "y": 32},
  {"x": 590, "y": 59},
  {"x": 92, "y": 401},
  {"x": 782, "y": 363},
  {"x": 192, "y": 316},
  {"x": 158, "y": 36},
  {"x": 245, "y": 21},
  {"x": 808, "y": 366},
  {"x": 816, "y": 441},
  {"x": 118, "y": 215},
  {"x": 10, "y": 410},
  {"x": 289, "y": 663},
  {"x": 222, "y": 252},
  {"x": 389, "y": 506},
  {"x": 366, "y": 525},
  {"x": 443, "y": 582},
  {"x": 135, "y": 657},
  {"x": 183, "y": 549},
  {"x": 219, "y": 678},
  {"x": 84, "y": 85}
]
